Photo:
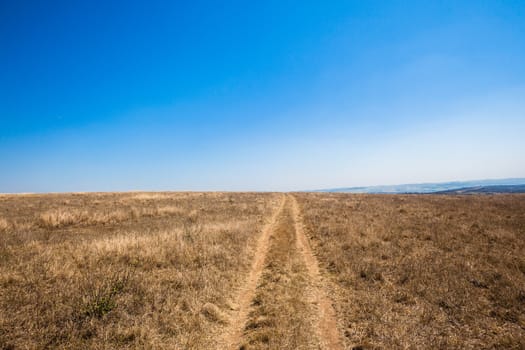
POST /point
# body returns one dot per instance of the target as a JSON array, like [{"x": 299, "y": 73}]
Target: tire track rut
[
  {"x": 232, "y": 336},
  {"x": 327, "y": 330}
]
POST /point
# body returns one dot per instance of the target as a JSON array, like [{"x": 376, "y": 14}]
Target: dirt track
[
  {"x": 326, "y": 326},
  {"x": 283, "y": 303}
]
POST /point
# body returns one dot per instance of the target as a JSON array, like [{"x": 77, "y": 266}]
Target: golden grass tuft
[
  {"x": 62, "y": 217},
  {"x": 4, "y": 225}
]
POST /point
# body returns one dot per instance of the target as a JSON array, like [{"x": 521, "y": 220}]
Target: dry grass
[
  {"x": 62, "y": 217},
  {"x": 58, "y": 211},
  {"x": 423, "y": 271},
  {"x": 83, "y": 271},
  {"x": 4, "y": 225},
  {"x": 164, "y": 270}
]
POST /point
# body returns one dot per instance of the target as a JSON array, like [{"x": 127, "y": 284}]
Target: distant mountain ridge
[
  {"x": 439, "y": 187},
  {"x": 486, "y": 189}
]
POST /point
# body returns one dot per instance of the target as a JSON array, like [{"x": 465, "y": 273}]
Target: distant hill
[
  {"x": 486, "y": 189},
  {"x": 490, "y": 186}
]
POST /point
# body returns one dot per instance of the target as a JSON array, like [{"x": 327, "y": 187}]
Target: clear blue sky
[{"x": 259, "y": 95}]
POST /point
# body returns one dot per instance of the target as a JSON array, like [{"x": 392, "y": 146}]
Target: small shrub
[{"x": 102, "y": 300}]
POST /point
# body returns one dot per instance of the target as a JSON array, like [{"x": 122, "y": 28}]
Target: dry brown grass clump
[
  {"x": 4, "y": 225},
  {"x": 73, "y": 274},
  {"x": 423, "y": 271},
  {"x": 62, "y": 217}
]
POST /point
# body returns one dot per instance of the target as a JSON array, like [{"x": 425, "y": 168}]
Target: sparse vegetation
[
  {"x": 89, "y": 278},
  {"x": 423, "y": 271},
  {"x": 201, "y": 270}
]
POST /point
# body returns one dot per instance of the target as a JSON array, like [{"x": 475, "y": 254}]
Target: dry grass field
[
  {"x": 261, "y": 271},
  {"x": 423, "y": 271},
  {"x": 132, "y": 270}
]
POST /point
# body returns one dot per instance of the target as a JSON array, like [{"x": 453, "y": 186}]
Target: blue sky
[{"x": 270, "y": 95}]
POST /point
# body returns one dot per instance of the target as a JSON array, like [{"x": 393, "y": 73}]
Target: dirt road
[{"x": 283, "y": 304}]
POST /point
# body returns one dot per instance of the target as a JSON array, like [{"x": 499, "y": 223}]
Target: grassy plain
[
  {"x": 130, "y": 270},
  {"x": 262, "y": 271},
  {"x": 422, "y": 271}
]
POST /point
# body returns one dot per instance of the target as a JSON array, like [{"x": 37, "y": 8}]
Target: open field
[
  {"x": 261, "y": 271},
  {"x": 124, "y": 270},
  {"x": 423, "y": 271}
]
